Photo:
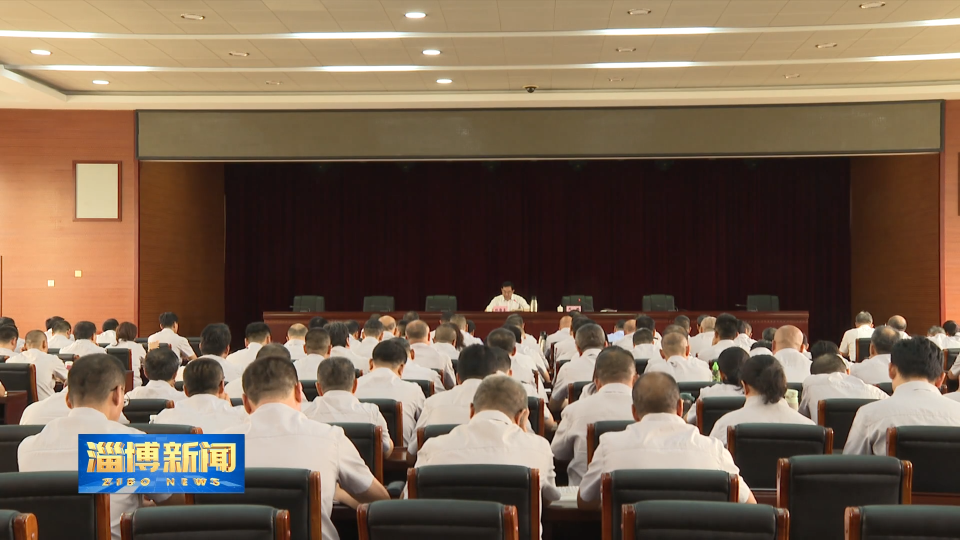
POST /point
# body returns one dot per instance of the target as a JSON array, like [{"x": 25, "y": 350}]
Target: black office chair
[
  {"x": 226, "y": 522},
  {"x": 195, "y": 345},
  {"x": 710, "y": 409},
  {"x": 914, "y": 522},
  {"x": 585, "y": 302},
  {"x": 927, "y": 447},
  {"x": 124, "y": 355},
  {"x": 178, "y": 385},
  {"x": 392, "y": 412},
  {"x": 308, "y": 304},
  {"x": 757, "y": 448},
  {"x": 54, "y": 351},
  {"x": 141, "y": 340},
  {"x": 949, "y": 358},
  {"x": 694, "y": 387},
  {"x": 560, "y": 363},
  {"x": 67, "y": 357},
  {"x": 426, "y": 386},
  {"x": 139, "y": 411},
  {"x": 294, "y": 490},
  {"x": 425, "y": 433},
  {"x": 377, "y": 303},
  {"x": 441, "y": 303},
  {"x": 838, "y": 415},
  {"x": 702, "y": 520},
  {"x": 816, "y": 490},
  {"x": 629, "y": 486},
  {"x": 236, "y": 402},
  {"x": 436, "y": 520},
  {"x": 310, "y": 389},
  {"x": 596, "y": 430},
  {"x": 505, "y": 484},
  {"x": 167, "y": 429},
  {"x": 17, "y": 526},
  {"x": 659, "y": 302},
  {"x": 61, "y": 512},
  {"x": 641, "y": 365},
  {"x": 863, "y": 349},
  {"x": 10, "y": 439},
  {"x": 887, "y": 387},
  {"x": 575, "y": 389},
  {"x": 763, "y": 302},
  {"x": 20, "y": 377},
  {"x": 537, "y": 423},
  {"x": 368, "y": 439}
]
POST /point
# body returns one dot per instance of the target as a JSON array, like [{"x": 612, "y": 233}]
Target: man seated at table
[
  {"x": 296, "y": 335},
  {"x": 418, "y": 335},
  {"x": 567, "y": 349},
  {"x": 876, "y": 368},
  {"x": 590, "y": 339},
  {"x": 659, "y": 440},
  {"x": 84, "y": 345},
  {"x": 317, "y": 346},
  {"x": 384, "y": 382},
  {"x": 508, "y": 301},
  {"x": 831, "y": 379},
  {"x": 161, "y": 366},
  {"x": 674, "y": 360},
  {"x": 49, "y": 369},
  {"x": 207, "y": 405}
]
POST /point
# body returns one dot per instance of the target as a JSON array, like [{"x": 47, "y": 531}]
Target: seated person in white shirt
[
  {"x": 126, "y": 339},
  {"x": 95, "y": 396},
  {"x": 215, "y": 345},
  {"x": 642, "y": 321},
  {"x": 413, "y": 371},
  {"x": 8, "y": 321},
  {"x": 629, "y": 328},
  {"x": 445, "y": 340},
  {"x": 704, "y": 337},
  {"x": 745, "y": 337},
  {"x": 761, "y": 347},
  {"x": 354, "y": 337},
  {"x": 279, "y": 435},
  {"x": 528, "y": 344},
  {"x": 614, "y": 377},
  {"x": 899, "y": 324},
  {"x": 295, "y": 337},
  {"x": 916, "y": 368},
  {"x": 788, "y": 349},
  {"x": 508, "y": 300},
  {"x": 9, "y": 335},
  {"x": 372, "y": 334},
  {"x": 384, "y": 381},
  {"x": 49, "y": 368},
  {"x": 951, "y": 340},
  {"x": 60, "y": 335},
  {"x": 207, "y": 406},
  {"x": 730, "y": 363},
  {"x": 876, "y": 368},
  {"x": 590, "y": 339},
  {"x": 725, "y": 335},
  {"x": 255, "y": 336},
  {"x": 659, "y": 440},
  {"x": 563, "y": 331},
  {"x": 389, "y": 327},
  {"x": 84, "y": 345},
  {"x": 464, "y": 326},
  {"x": 495, "y": 436},
  {"x": 108, "y": 333},
  {"x": 317, "y": 346},
  {"x": 617, "y": 333},
  {"x": 937, "y": 334},
  {"x": 764, "y": 384},
  {"x": 567, "y": 349},
  {"x": 169, "y": 326},
  {"x": 336, "y": 402},
  {"x": 676, "y": 362},
  {"x": 830, "y": 379},
  {"x": 340, "y": 340},
  {"x": 683, "y": 322},
  {"x": 418, "y": 335},
  {"x": 235, "y": 387},
  {"x": 523, "y": 367},
  {"x": 160, "y": 366},
  {"x": 863, "y": 329},
  {"x": 643, "y": 346},
  {"x": 49, "y": 325}
]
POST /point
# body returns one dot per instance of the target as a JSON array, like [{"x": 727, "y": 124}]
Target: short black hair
[
  {"x": 161, "y": 364},
  {"x": 726, "y": 327},
  {"x": 471, "y": 326},
  {"x": 373, "y": 328},
  {"x": 9, "y": 333},
  {"x": 127, "y": 331},
  {"x": 317, "y": 341},
  {"x": 884, "y": 338},
  {"x": 93, "y": 377},
  {"x": 215, "y": 339},
  {"x": 950, "y": 327},
  {"x": 257, "y": 331},
  {"x": 353, "y": 326},
  {"x": 764, "y": 373},
  {"x": 654, "y": 393},
  {"x": 168, "y": 319},
  {"x": 507, "y": 284},
  {"x": 682, "y": 320},
  {"x": 590, "y": 336},
  {"x": 517, "y": 333},
  {"x": 646, "y": 321},
  {"x": 503, "y": 339},
  {"x": 61, "y": 327},
  {"x": 4, "y": 321},
  {"x": 743, "y": 326},
  {"x": 445, "y": 316},
  {"x": 731, "y": 362},
  {"x": 202, "y": 376},
  {"x": 479, "y": 361},
  {"x": 274, "y": 349},
  {"x": 769, "y": 333},
  {"x": 824, "y": 347},
  {"x": 700, "y": 318},
  {"x": 49, "y": 322},
  {"x": 269, "y": 377},
  {"x": 317, "y": 322},
  {"x": 643, "y": 335},
  {"x": 339, "y": 333},
  {"x": 513, "y": 320},
  {"x": 389, "y": 353},
  {"x": 761, "y": 344},
  {"x": 917, "y": 357},
  {"x": 827, "y": 363},
  {"x": 417, "y": 330},
  {"x": 336, "y": 373},
  {"x": 411, "y": 316},
  {"x": 614, "y": 364},
  {"x": 84, "y": 330},
  {"x": 109, "y": 324}
]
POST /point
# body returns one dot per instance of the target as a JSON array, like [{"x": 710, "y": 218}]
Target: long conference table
[{"x": 540, "y": 321}]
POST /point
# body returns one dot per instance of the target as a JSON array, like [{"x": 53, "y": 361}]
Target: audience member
[
  {"x": 108, "y": 333},
  {"x": 255, "y": 336},
  {"x": 296, "y": 335},
  {"x": 567, "y": 349},
  {"x": 389, "y": 327},
  {"x": 127, "y": 339},
  {"x": 84, "y": 345},
  {"x": 617, "y": 333},
  {"x": 317, "y": 347},
  {"x": 952, "y": 340},
  {"x": 207, "y": 405},
  {"x": 383, "y": 381},
  {"x": 730, "y": 364},
  {"x": 724, "y": 338},
  {"x": 768, "y": 334},
  {"x": 824, "y": 347},
  {"x": 876, "y": 369},
  {"x": 316, "y": 322},
  {"x": 415, "y": 372},
  {"x": 522, "y": 366},
  {"x": 745, "y": 335},
  {"x": 9, "y": 335},
  {"x": 762, "y": 347},
  {"x": 683, "y": 322},
  {"x": 372, "y": 333},
  {"x": 831, "y": 379},
  {"x": 863, "y": 329},
  {"x": 788, "y": 349},
  {"x": 704, "y": 338},
  {"x": 426, "y": 356},
  {"x": 528, "y": 344},
  {"x": 465, "y": 330},
  {"x": 899, "y": 324},
  {"x": 60, "y": 335},
  {"x": 49, "y": 368},
  {"x": 643, "y": 346},
  {"x": 676, "y": 362},
  {"x": 49, "y": 325},
  {"x": 215, "y": 345},
  {"x": 8, "y": 321},
  {"x": 354, "y": 337},
  {"x": 160, "y": 366},
  {"x": 590, "y": 339},
  {"x": 340, "y": 340},
  {"x": 445, "y": 339},
  {"x": 169, "y": 326}
]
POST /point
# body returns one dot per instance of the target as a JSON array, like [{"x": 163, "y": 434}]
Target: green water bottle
[{"x": 716, "y": 372}]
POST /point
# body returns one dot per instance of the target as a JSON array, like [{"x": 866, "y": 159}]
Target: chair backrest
[
  {"x": 141, "y": 341},
  {"x": 441, "y": 302},
  {"x": 887, "y": 387},
  {"x": 863, "y": 349},
  {"x": 236, "y": 402},
  {"x": 694, "y": 387},
  {"x": 167, "y": 429},
  {"x": 54, "y": 351},
  {"x": 817, "y": 489},
  {"x": 20, "y": 377},
  {"x": 710, "y": 409},
  {"x": 369, "y": 442},
  {"x": 194, "y": 343},
  {"x": 139, "y": 411},
  {"x": 125, "y": 356},
  {"x": 10, "y": 439},
  {"x": 309, "y": 304},
  {"x": 437, "y": 520},
  {"x": 425, "y": 433},
  {"x": 392, "y": 412},
  {"x": 67, "y": 357},
  {"x": 62, "y": 513},
  {"x": 536, "y": 406},
  {"x": 227, "y": 522},
  {"x": 703, "y": 520},
  {"x": 632, "y": 486},
  {"x": 505, "y": 484},
  {"x": 928, "y": 448},
  {"x": 838, "y": 414},
  {"x": 584, "y": 301},
  {"x": 178, "y": 385},
  {"x": 559, "y": 364},
  {"x": 949, "y": 358},
  {"x": 17, "y": 526},
  {"x": 763, "y": 302},
  {"x": 426, "y": 386},
  {"x": 293, "y": 490},
  {"x": 310, "y": 389},
  {"x": 575, "y": 389},
  {"x": 641, "y": 365},
  {"x": 903, "y": 522},
  {"x": 378, "y": 303},
  {"x": 659, "y": 302},
  {"x": 757, "y": 448},
  {"x": 595, "y": 430}
]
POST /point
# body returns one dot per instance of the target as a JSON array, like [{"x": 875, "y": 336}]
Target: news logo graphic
[{"x": 161, "y": 463}]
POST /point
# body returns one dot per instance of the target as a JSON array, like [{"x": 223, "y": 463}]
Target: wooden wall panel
[
  {"x": 181, "y": 243},
  {"x": 895, "y": 238},
  {"x": 950, "y": 186},
  {"x": 39, "y": 240}
]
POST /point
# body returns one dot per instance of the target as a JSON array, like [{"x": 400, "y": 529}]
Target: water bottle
[
  {"x": 533, "y": 303},
  {"x": 792, "y": 397},
  {"x": 716, "y": 372}
]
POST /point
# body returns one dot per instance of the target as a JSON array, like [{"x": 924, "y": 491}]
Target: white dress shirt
[
  {"x": 848, "y": 345},
  {"x": 109, "y": 337},
  {"x": 412, "y": 371},
  {"x": 755, "y": 411},
  {"x": 626, "y": 342},
  {"x": 447, "y": 350},
  {"x": 231, "y": 372},
  {"x": 491, "y": 438},
  {"x": 683, "y": 369},
  {"x": 817, "y": 388},
  {"x": 646, "y": 351},
  {"x": 205, "y": 411},
  {"x": 450, "y": 407},
  {"x": 577, "y": 370},
  {"x": 716, "y": 390},
  {"x": 41, "y": 413},
  {"x": 49, "y": 368},
  {"x": 700, "y": 342},
  {"x": 657, "y": 441},
  {"x": 307, "y": 367},
  {"x": 58, "y": 341},
  {"x": 279, "y": 436},
  {"x": 515, "y": 303},
  {"x": 55, "y": 449},
  {"x": 712, "y": 353},
  {"x": 426, "y": 356},
  {"x": 295, "y": 346},
  {"x": 796, "y": 366},
  {"x": 760, "y": 351},
  {"x": 873, "y": 370},
  {"x": 523, "y": 367},
  {"x": 915, "y": 403},
  {"x": 950, "y": 342},
  {"x": 244, "y": 357},
  {"x": 612, "y": 402},
  {"x": 562, "y": 334},
  {"x": 384, "y": 384},
  {"x": 341, "y": 406},
  {"x": 156, "y": 390},
  {"x": 365, "y": 348},
  {"x": 178, "y": 343},
  {"x": 744, "y": 341},
  {"x": 566, "y": 349},
  {"x": 83, "y": 347},
  {"x": 363, "y": 364},
  {"x": 137, "y": 354}
]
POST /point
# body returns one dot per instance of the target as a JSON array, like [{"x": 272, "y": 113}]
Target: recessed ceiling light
[
  {"x": 239, "y": 53},
  {"x": 431, "y": 52},
  {"x": 615, "y": 79},
  {"x": 626, "y": 49},
  {"x": 444, "y": 81},
  {"x": 275, "y": 83},
  {"x": 826, "y": 45},
  {"x": 101, "y": 81},
  {"x": 791, "y": 75},
  {"x": 639, "y": 12},
  {"x": 192, "y": 16},
  {"x": 40, "y": 52},
  {"x": 872, "y": 5},
  {"x": 414, "y": 14}
]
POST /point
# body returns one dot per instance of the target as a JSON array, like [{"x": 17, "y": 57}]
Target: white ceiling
[{"x": 562, "y": 49}]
